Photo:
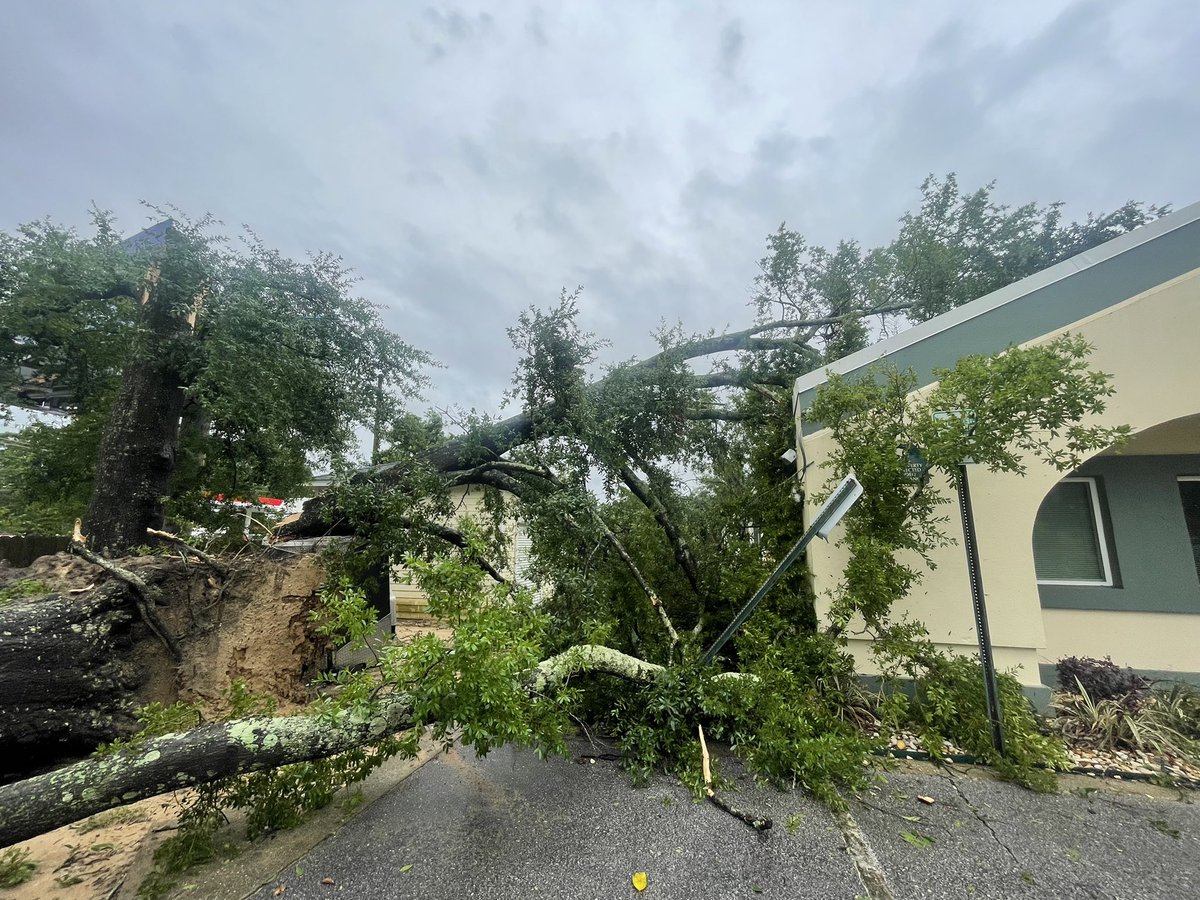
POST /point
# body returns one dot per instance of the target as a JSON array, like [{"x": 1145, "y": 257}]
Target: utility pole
[{"x": 844, "y": 496}]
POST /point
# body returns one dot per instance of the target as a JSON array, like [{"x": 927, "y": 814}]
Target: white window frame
[{"x": 1101, "y": 538}]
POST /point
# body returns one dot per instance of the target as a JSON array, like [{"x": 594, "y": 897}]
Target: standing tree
[{"x": 193, "y": 369}]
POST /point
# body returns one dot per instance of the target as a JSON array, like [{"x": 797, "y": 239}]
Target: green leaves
[
  {"x": 921, "y": 841},
  {"x": 995, "y": 410},
  {"x": 959, "y": 246},
  {"x": 473, "y": 690},
  {"x": 279, "y": 359}
]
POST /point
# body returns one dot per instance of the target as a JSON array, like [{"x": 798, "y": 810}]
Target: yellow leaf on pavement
[{"x": 639, "y": 881}]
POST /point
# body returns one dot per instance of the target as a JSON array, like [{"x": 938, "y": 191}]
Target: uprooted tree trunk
[
  {"x": 103, "y": 639},
  {"x": 212, "y": 752},
  {"x": 65, "y": 684}
]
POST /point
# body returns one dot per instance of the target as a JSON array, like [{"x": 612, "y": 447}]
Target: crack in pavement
[
  {"x": 983, "y": 820},
  {"x": 866, "y": 863}
]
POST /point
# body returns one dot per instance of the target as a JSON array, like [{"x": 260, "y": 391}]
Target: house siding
[
  {"x": 408, "y": 600},
  {"x": 1068, "y": 292}
]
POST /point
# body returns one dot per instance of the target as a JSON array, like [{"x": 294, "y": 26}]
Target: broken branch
[
  {"x": 144, "y": 596},
  {"x": 205, "y": 558},
  {"x": 757, "y": 822}
]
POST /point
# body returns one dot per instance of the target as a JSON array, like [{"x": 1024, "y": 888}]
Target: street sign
[{"x": 844, "y": 496}]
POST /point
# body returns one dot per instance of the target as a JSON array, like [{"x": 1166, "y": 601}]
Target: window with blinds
[
  {"x": 1189, "y": 493},
  {"x": 1068, "y": 536}
]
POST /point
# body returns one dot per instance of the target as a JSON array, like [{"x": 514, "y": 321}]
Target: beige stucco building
[
  {"x": 408, "y": 601},
  {"x": 1106, "y": 560}
]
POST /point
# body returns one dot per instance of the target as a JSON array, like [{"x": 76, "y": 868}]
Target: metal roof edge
[{"x": 1007, "y": 294}]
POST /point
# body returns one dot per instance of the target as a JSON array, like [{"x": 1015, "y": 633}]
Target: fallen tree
[
  {"x": 78, "y": 653},
  {"x": 626, "y": 571},
  {"x": 223, "y": 750},
  {"x": 65, "y": 677}
]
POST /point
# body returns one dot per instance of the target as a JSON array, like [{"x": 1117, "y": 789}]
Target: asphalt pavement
[{"x": 513, "y": 826}]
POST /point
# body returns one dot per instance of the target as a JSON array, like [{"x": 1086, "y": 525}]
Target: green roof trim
[{"x": 1027, "y": 309}]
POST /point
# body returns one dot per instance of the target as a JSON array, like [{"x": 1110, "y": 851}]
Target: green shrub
[
  {"x": 950, "y": 704},
  {"x": 1163, "y": 722},
  {"x": 16, "y": 867}
]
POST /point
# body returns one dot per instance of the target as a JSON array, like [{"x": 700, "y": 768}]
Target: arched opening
[
  {"x": 1122, "y": 532},
  {"x": 1116, "y": 547}
]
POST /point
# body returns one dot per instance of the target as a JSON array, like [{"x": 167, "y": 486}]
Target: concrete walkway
[{"x": 511, "y": 826}]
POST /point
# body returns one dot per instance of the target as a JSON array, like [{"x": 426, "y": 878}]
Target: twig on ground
[
  {"x": 898, "y": 815},
  {"x": 757, "y": 822}
]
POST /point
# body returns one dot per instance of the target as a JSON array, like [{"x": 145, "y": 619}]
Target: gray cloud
[
  {"x": 733, "y": 41},
  {"x": 469, "y": 160}
]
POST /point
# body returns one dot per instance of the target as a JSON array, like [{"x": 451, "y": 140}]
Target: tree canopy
[
  {"x": 278, "y": 361},
  {"x": 654, "y": 491},
  {"x": 696, "y": 502}
]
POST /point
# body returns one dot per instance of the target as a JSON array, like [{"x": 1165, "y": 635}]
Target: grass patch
[
  {"x": 16, "y": 867},
  {"x": 22, "y": 590}
]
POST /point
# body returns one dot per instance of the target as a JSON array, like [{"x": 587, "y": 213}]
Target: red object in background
[{"x": 261, "y": 501}]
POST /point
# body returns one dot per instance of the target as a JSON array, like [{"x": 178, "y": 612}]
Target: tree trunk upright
[{"x": 138, "y": 449}]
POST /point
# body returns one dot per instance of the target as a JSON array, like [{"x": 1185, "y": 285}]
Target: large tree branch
[
  {"x": 494, "y": 474},
  {"x": 175, "y": 761},
  {"x": 640, "y": 579},
  {"x": 719, "y": 414},
  {"x": 587, "y": 658},
  {"x": 145, "y": 597},
  {"x": 492, "y": 441},
  {"x": 747, "y": 337},
  {"x": 213, "y": 752},
  {"x": 458, "y": 539},
  {"x": 683, "y": 554},
  {"x": 740, "y": 378}
]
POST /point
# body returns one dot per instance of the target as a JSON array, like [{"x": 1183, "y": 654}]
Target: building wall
[
  {"x": 1152, "y": 554},
  {"x": 1147, "y": 344},
  {"x": 410, "y": 600}
]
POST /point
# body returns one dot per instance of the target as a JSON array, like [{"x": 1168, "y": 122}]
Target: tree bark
[
  {"x": 212, "y": 752},
  {"x": 137, "y": 457},
  {"x": 138, "y": 449},
  {"x": 174, "y": 761},
  {"x": 64, "y": 685}
]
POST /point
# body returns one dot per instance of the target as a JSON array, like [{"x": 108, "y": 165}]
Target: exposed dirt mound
[
  {"x": 261, "y": 635},
  {"x": 251, "y": 624}
]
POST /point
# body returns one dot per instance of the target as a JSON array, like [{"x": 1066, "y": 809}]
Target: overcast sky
[{"x": 470, "y": 160}]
